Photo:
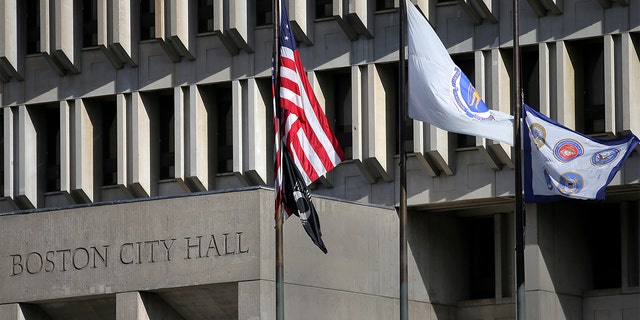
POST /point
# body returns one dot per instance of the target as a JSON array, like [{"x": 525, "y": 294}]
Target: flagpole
[
  {"x": 278, "y": 210},
  {"x": 402, "y": 118},
  {"x": 519, "y": 221}
]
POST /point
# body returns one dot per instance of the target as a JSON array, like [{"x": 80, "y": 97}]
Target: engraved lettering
[
  {"x": 139, "y": 260},
  {"x": 33, "y": 256},
  {"x": 85, "y": 260},
  {"x": 96, "y": 253},
  {"x": 64, "y": 258},
  {"x": 226, "y": 247},
  {"x": 48, "y": 256},
  {"x": 16, "y": 265},
  {"x": 129, "y": 251},
  {"x": 151, "y": 258},
  {"x": 168, "y": 248},
  {"x": 191, "y": 246},
  {"x": 212, "y": 245},
  {"x": 239, "y": 236}
]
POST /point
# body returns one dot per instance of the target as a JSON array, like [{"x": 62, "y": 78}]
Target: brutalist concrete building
[{"x": 137, "y": 160}]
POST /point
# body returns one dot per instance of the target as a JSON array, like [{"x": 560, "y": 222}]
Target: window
[
  {"x": 89, "y": 23},
  {"x": 481, "y": 257},
  {"x": 264, "y": 12},
  {"x": 224, "y": 128},
  {"x": 2, "y": 155},
  {"x": 384, "y": 4},
  {"x": 603, "y": 236},
  {"x": 324, "y": 9},
  {"x": 466, "y": 63},
  {"x": 530, "y": 76},
  {"x": 205, "y": 16},
  {"x": 588, "y": 57},
  {"x": 52, "y": 142},
  {"x": 166, "y": 135},
  {"x": 109, "y": 143},
  {"x": 33, "y": 26},
  {"x": 336, "y": 87},
  {"x": 147, "y": 20}
]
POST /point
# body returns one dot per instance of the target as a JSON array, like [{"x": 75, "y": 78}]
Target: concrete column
[
  {"x": 198, "y": 141},
  {"x": 565, "y": 87},
  {"x": 140, "y": 141},
  {"x": 27, "y": 166},
  {"x": 45, "y": 26},
  {"x": 544, "y": 63},
  {"x": 143, "y": 306},
  {"x": 428, "y": 8},
  {"x": 378, "y": 156},
  {"x": 358, "y": 100},
  {"x": 256, "y": 143},
  {"x": 238, "y": 92},
  {"x": 181, "y": 101},
  {"x": 499, "y": 98},
  {"x": 9, "y": 155},
  {"x": 630, "y": 68},
  {"x": 15, "y": 311},
  {"x": 256, "y": 300},
  {"x": 123, "y": 105},
  {"x": 122, "y": 13},
  {"x": 238, "y": 29},
  {"x": 301, "y": 20},
  {"x": 65, "y": 49},
  {"x": 178, "y": 32},
  {"x": 610, "y": 83},
  {"x": 129, "y": 306},
  {"x": 65, "y": 146},
  {"x": 83, "y": 155},
  {"x": 10, "y": 53}
]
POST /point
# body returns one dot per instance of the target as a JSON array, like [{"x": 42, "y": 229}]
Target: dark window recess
[
  {"x": 109, "y": 145},
  {"x": 52, "y": 154},
  {"x": 481, "y": 258},
  {"x": 324, "y": 9},
  {"x": 205, "y": 16},
  {"x": 603, "y": 234},
  {"x": 166, "y": 136},
  {"x": 384, "y": 4},
  {"x": 342, "y": 105},
  {"x": 147, "y": 20},
  {"x": 33, "y": 26},
  {"x": 530, "y": 77},
  {"x": 89, "y": 23},
  {"x": 633, "y": 249},
  {"x": 224, "y": 128},
  {"x": 588, "y": 57},
  {"x": 2, "y": 156},
  {"x": 264, "y": 12},
  {"x": 467, "y": 65}
]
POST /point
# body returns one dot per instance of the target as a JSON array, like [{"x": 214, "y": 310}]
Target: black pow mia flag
[{"x": 297, "y": 200}]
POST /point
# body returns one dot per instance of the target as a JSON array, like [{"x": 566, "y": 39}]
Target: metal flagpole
[
  {"x": 279, "y": 216},
  {"x": 519, "y": 221},
  {"x": 402, "y": 115}
]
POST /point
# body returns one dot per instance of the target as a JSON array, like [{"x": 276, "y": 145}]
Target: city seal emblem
[{"x": 466, "y": 98}]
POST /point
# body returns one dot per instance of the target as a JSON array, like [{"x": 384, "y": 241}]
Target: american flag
[{"x": 306, "y": 133}]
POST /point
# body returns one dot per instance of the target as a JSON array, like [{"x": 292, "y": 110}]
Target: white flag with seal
[{"x": 440, "y": 93}]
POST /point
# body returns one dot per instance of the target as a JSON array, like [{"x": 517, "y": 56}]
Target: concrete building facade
[{"x": 137, "y": 142}]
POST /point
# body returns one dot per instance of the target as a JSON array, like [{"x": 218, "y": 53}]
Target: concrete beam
[
  {"x": 197, "y": 170},
  {"x": 11, "y": 56},
  {"x": 27, "y": 175}
]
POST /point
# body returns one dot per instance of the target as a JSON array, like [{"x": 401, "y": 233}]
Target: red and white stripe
[{"x": 307, "y": 133}]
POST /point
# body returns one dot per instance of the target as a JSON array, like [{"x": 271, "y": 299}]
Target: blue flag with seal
[
  {"x": 440, "y": 93},
  {"x": 562, "y": 163}
]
